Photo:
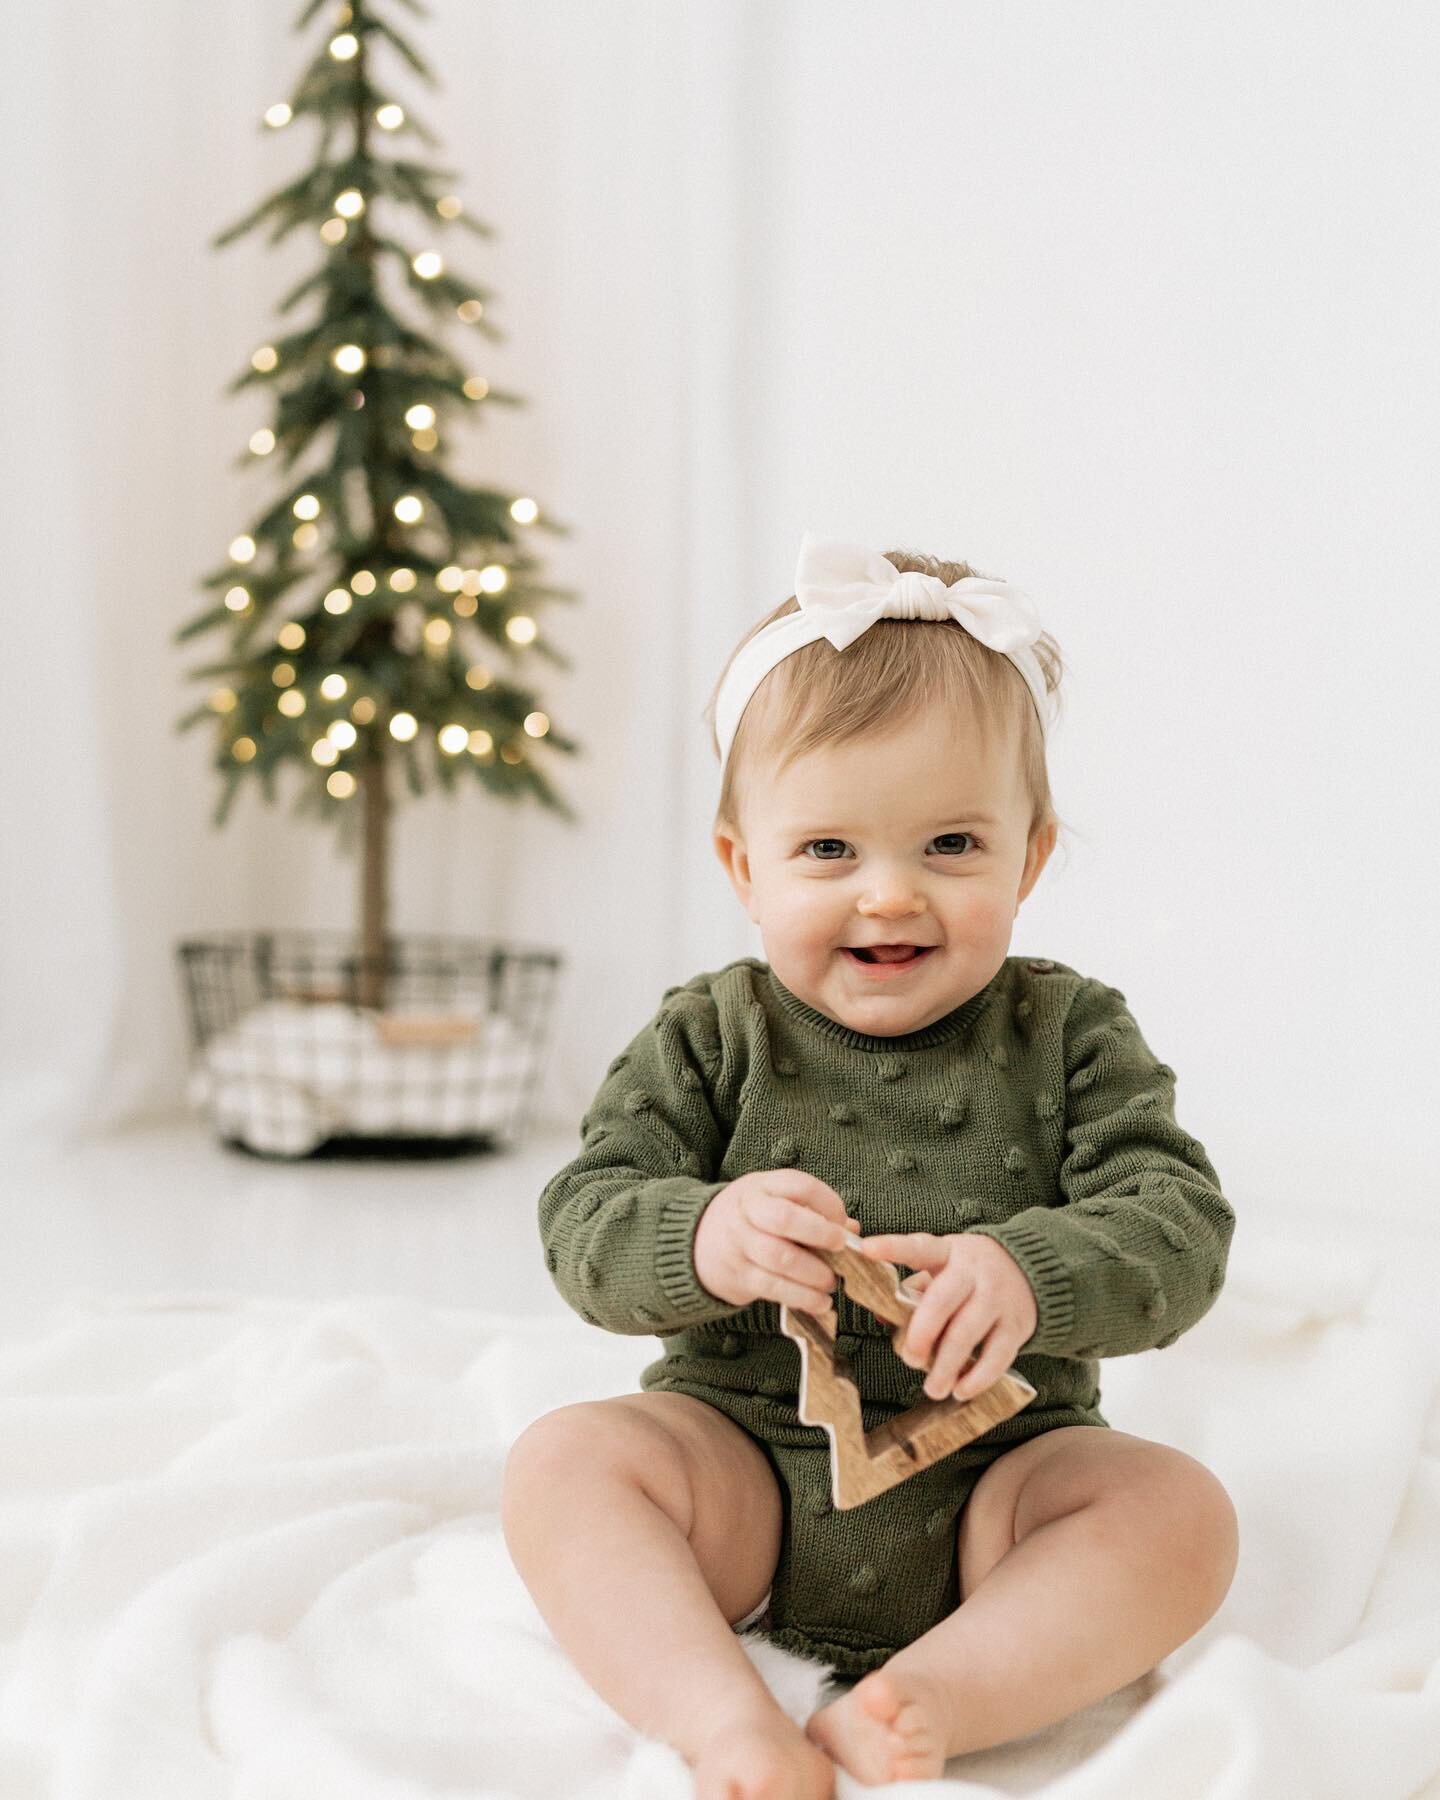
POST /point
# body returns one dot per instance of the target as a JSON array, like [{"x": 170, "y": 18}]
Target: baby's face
[{"x": 917, "y": 837}]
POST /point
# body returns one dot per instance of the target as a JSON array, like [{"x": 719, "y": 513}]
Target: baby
[{"x": 996, "y": 1124}]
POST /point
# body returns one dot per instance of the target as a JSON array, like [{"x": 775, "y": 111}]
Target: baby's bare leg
[{"x": 644, "y": 1527}]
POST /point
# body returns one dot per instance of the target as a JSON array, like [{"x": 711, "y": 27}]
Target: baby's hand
[
  {"x": 976, "y": 1308},
  {"x": 749, "y": 1244}
]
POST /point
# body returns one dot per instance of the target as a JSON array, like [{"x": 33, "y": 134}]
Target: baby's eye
[
  {"x": 951, "y": 836},
  {"x": 826, "y": 844}
]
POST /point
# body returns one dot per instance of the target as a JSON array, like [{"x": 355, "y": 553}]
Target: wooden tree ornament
[{"x": 865, "y": 1463}]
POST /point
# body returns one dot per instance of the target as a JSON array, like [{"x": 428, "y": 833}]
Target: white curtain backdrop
[{"x": 1133, "y": 303}]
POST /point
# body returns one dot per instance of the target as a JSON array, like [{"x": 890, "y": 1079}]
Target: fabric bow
[{"x": 844, "y": 589}]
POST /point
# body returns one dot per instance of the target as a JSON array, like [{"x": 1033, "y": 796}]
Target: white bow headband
[{"x": 842, "y": 589}]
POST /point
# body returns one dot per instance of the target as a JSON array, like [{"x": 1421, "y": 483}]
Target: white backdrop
[{"x": 1133, "y": 303}]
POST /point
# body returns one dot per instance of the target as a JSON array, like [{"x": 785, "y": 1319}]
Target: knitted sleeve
[
  {"x": 1135, "y": 1253},
  {"x": 618, "y": 1222}
]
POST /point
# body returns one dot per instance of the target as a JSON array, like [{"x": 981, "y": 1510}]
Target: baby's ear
[{"x": 735, "y": 861}]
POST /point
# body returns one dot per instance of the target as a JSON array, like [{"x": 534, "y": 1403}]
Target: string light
[
  {"x": 363, "y": 711},
  {"x": 342, "y": 734},
  {"x": 476, "y": 388},
  {"x": 343, "y": 47},
  {"x": 238, "y": 599},
  {"x": 242, "y": 549},
  {"x": 509, "y": 754},
  {"x": 494, "y": 578},
  {"x": 438, "y": 632},
  {"x": 334, "y": 687},
  {"x": 481, "y": 743},
  {"x": 468, "y": 311},
  {"x": 306, "y": 507},
  {"x": 409, "y": 509},
  {"x": 223, "y": 700},
  {"x": 283, "y": 674},
  {"x": 466, "y": 606},
  {"x": 391, "y": 117},
  {"x": 453, "y": 739},
  {"x": 427, "y": 265},
  {"x": 341, "y": 784},
  {"x": 349, "y": 203},
  {"x": 265, "y": 358},
  {"x": 291, "y": 636},
  {"x": 536, "y": 724},
  {"x": 403, "y": 580},
  {"x": 334, "y": 231},
  {"x": 291, "y": 703},
  {"x": 403, "y": 727},
  {"x": 305, "y": 537},
  {"x": 521, "y": 629},
  {"x": 478, "y": 676},
  {"x": 420, "y": 417},
  {"x": 524, "y": 511},
  {"x": 337, "y": 601},
  {"x": 243, "y": 749},
  {"x": 278, "y": 115},
  {"x": 449, "y": 207},
  {"x": 262, "y": 442},
  {"x": 349, "y": 359},
  {"x": 324, "y": 752},
  {"x": 363, "y": 582}
]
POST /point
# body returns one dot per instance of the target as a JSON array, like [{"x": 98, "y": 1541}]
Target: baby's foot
[
  {"x": 762, "y": 1756},
  {"x": 889, "y": 1727}
]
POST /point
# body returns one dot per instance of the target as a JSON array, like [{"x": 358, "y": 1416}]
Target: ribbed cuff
[
  {"x": 1045, "y": 1270},
  {"x": 675, "y": 1253}
]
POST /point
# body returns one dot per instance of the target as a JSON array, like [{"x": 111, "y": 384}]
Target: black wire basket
[{"x": 303, "y": 1046}]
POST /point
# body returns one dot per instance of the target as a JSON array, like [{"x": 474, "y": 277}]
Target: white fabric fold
[{"x": 251, "y": 1547}]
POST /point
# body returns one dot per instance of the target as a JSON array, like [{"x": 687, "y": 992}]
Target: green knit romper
[{"x": 1034, "y": 1113}]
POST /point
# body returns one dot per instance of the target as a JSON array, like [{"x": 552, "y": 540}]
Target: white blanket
[{"x": 250, "y": 1549}]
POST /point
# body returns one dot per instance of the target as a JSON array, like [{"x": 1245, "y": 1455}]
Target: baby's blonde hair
[{"x": 820, "y": 695}]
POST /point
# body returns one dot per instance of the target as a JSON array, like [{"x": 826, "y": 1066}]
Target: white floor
[{"x": 167, "y": 1208}]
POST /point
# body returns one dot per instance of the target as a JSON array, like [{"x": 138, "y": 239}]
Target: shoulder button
[{"x": 1041, "y": 965}]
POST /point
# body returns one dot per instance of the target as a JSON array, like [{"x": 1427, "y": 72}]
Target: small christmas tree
[{"x": 365, "y": 607}]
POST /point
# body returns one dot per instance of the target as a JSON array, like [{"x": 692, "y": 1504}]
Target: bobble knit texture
[{"x": 1035, "y": 1113}]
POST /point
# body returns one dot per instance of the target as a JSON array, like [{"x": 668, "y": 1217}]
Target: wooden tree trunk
[{"x": 374, "y": 893}]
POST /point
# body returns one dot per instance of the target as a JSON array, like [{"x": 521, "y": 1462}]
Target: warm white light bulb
[
  {"x": 403, "y": 727},
  {"x": 390, "y": 117},
  {"x": 524, "y": 512},
  {"x": 409, "y": 509}
]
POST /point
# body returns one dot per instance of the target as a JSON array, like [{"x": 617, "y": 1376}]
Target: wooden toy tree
[{"x": 378, "y": 612}]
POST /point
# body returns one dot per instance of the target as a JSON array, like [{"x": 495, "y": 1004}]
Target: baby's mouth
[{"x": 889, "y": 953}]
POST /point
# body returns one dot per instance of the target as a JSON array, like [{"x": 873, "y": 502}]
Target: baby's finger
[
  {"x": 785, "y": 1257},
  {"x": 808, "y": 1191},
  {"x": 792, "y": 1219},
  {"x": 768, "y": 1284},
  {"x": 918, "y": 1249},
  {"x": 994, "y": 1360},
  {"x": 954, "y": 1356}
]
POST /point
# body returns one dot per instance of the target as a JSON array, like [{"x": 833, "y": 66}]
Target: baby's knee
[{"x": 587, "y": 1441}]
